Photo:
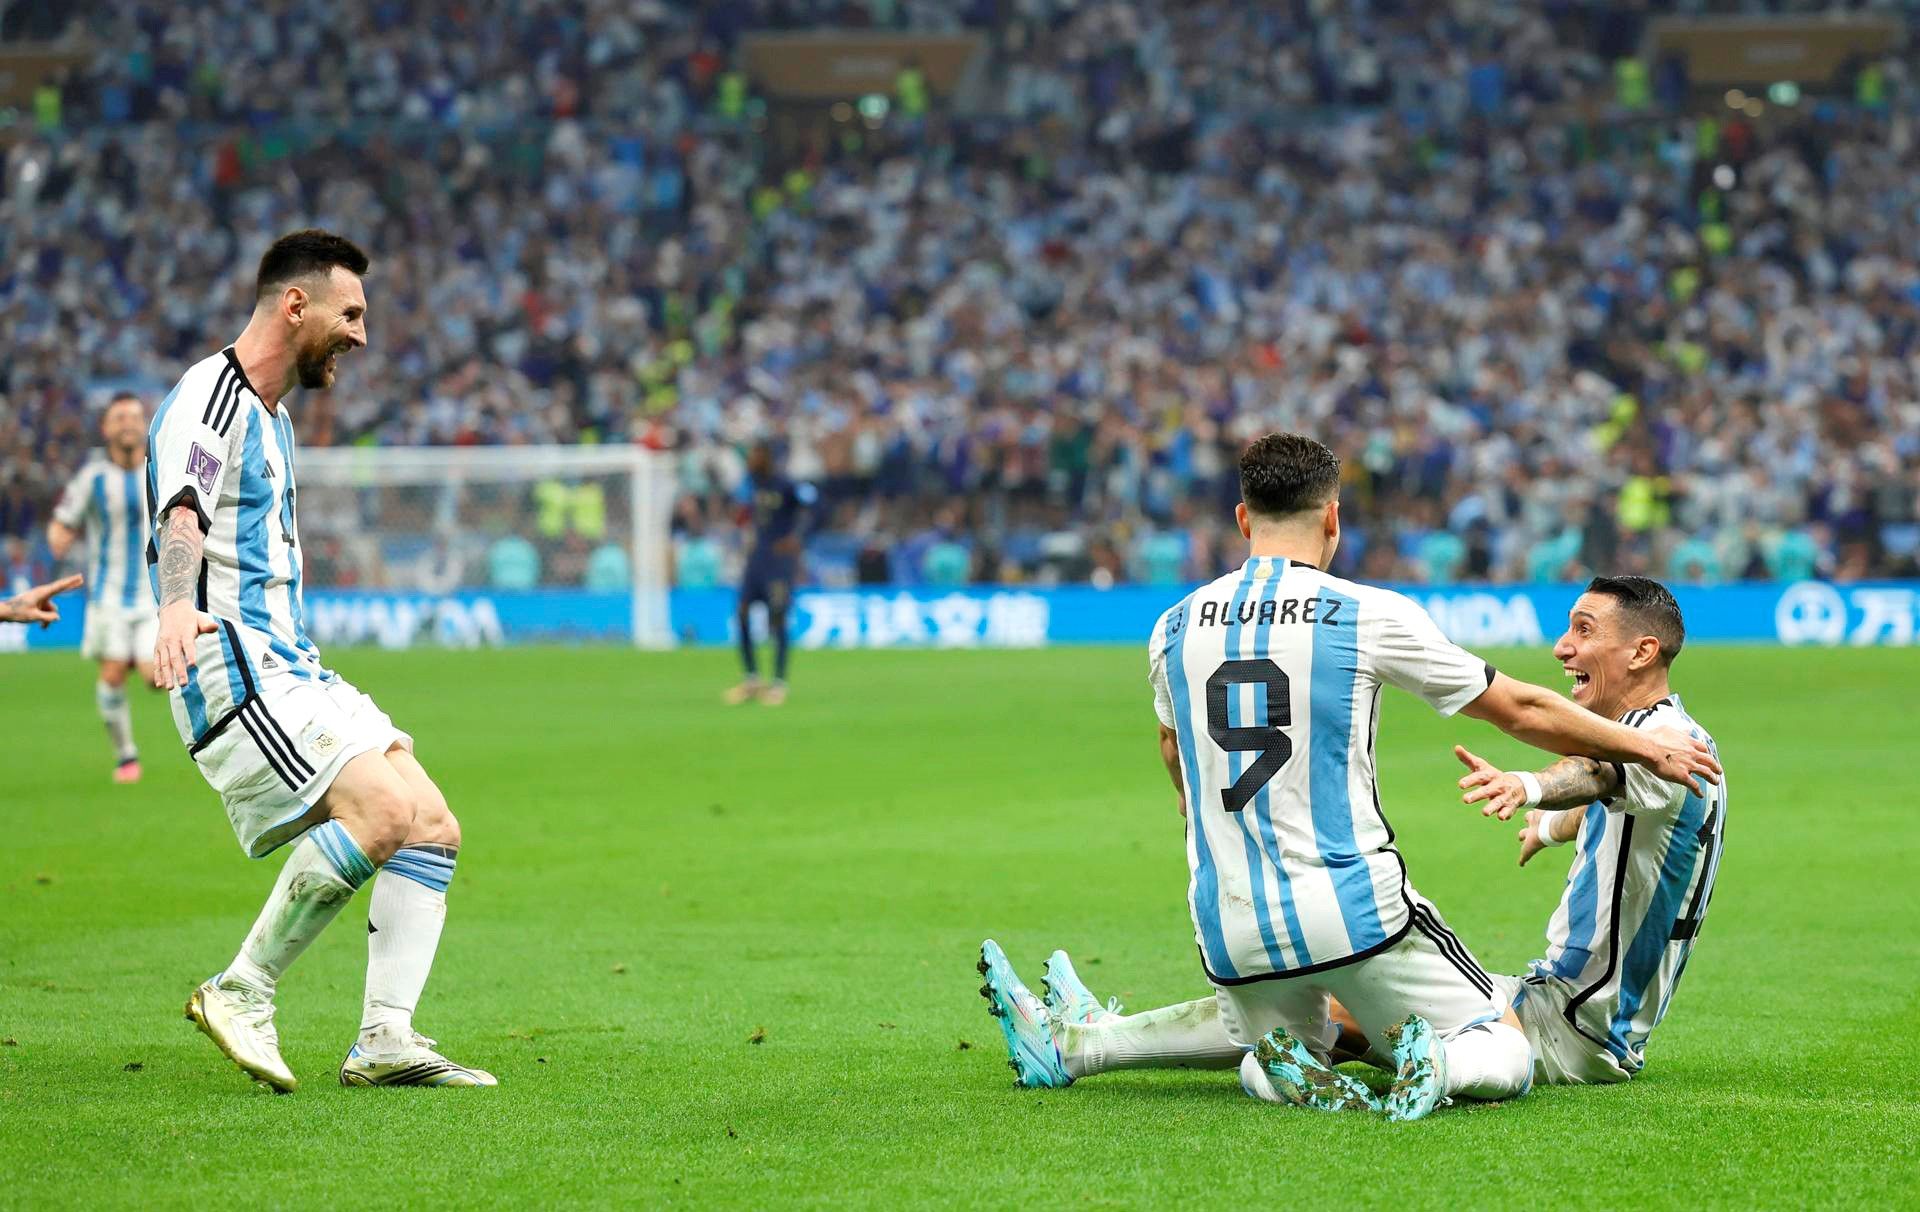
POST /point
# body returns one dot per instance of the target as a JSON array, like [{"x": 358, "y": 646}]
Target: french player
[
  {"x": 1267, "y": 685},
  {"x": 777, "y": 509},
  {"x": 298, "y": 756},
  {"x": 106, "y": 503},
  {"x": 1642, "y": 878}
]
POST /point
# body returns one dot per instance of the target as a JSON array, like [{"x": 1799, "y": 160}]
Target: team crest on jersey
[
  {"x": 322, "y": 742},
  {"x": 202, "y": 467}
]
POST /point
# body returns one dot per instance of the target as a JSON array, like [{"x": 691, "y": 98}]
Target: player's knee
[
  {"x": 381, "y": 822},
  {"x": 113, "y": 674},
  {"x": 433, "y": 821}
]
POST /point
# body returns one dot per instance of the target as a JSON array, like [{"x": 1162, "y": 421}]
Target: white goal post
[{"x": 432, "y": 520}]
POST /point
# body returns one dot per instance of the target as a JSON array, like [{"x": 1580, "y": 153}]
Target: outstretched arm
[
  {"x": 1547, "y": 721},
  {"x": 181, "y": 623},
  {"x": 1569, "y": 781},
  {"x": 36, "y": 605}
]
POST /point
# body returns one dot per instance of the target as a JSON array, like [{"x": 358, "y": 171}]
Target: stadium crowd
[{"x": 1554, "y": 320}]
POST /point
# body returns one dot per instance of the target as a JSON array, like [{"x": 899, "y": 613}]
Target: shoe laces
[{"x": 255, "y": 1010}]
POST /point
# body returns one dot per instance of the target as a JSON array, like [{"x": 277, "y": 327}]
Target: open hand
[
  {"x": 1499, "y": 793},
  {"x": 36, "y": 605},
  {"x": 1684, "y": 759},
  {"x": 1530, "y": 843},
  {"x": 181, "y": 627}
]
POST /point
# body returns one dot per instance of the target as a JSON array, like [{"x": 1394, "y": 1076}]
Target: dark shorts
[{"x": 770, "y": 582}]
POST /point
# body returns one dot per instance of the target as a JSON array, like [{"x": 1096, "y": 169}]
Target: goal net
[{"x": 464, "y": 546}]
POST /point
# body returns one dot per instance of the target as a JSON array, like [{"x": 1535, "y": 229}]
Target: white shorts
[
  {"x": 277, "y": 755},
  {"x": 1429, "y": 972},
  {"x": 119, "y": 633},
  {"x": 1561, "y": 1055}
]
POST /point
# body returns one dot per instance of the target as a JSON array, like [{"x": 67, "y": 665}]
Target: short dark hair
[
  {"x": 1287, "y": 473},
  {"x": 1649, "y": 607},
  {"x": 301, "y": 253}
]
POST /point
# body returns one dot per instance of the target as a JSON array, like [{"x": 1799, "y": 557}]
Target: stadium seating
[{"x": 1552, "y": 321}]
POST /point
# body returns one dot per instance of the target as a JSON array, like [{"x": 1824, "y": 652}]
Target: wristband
[
  {"x": 1531, "y": 785},
  {"x": 1544, "y": 829}
]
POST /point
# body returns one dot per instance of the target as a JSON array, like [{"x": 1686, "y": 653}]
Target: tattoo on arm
[
  {"x": 1577, "y": 780},
  {"x": 179, "y": 567}
]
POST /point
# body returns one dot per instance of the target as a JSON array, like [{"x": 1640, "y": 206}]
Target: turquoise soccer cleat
[
  {"x": 1420, "y": 1070},
  {"x": 1281, "y": 1069},
  {"x": 1070, "y": 1001},
  {"x": 1024, "y": 1020}
]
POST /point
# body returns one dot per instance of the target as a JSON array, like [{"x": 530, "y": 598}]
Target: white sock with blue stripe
[
  {"x": 404, "y": 919},
  {"x": 112, "y": 702},
  {"x": 325, "y": 869}
]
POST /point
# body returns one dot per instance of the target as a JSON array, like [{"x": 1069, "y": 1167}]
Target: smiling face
[
  {"x": 332, "y": 320},
  {"x": 124, "y": 426},
  {"x": 1607, "y": 660}
]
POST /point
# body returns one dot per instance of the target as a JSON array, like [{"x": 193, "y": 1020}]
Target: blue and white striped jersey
[
  {"x": 108, "y": 504},
  {"x": 213, "y": 445},
  {"x": 1642, "y": 875},
  {"x": 1271, "y": 678}
]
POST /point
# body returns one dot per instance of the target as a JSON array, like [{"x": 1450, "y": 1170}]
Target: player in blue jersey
[
  {"x": 1267, "y": 684},
  {"x": 777, "y": 510},
  {"x": 1630, "y": 911},
  {"x": 106, "y": 503},
  {"x": 298, "y": 755}
]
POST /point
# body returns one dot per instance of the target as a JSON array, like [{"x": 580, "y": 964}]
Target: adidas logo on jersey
[
  {"x": 267, "y": 662},
  {"x": 268, "y": 472}
]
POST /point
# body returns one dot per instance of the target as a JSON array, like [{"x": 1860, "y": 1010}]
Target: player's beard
[{"x": 311, "y": 365}]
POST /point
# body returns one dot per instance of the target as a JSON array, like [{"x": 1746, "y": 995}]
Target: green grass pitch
[{"x": 725, "y": 957}]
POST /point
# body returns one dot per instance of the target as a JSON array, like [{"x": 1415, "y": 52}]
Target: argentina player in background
[
  {"x": 1642, "y": 878},
  {"x": 106, "y": 503},
  {"x": 298, "y": 756},
  {"x": 778, "y": 510},
  {"x": 1267, "y": 685}
]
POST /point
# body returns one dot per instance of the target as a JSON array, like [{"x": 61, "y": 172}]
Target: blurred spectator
[
  {"x": 1552, "y": 323},
  {"x": 512, "y": 563}
]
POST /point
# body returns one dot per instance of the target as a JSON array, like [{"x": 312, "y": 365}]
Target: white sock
[
  {"x": 1488, "y": 1061},
  {"x": 1186, "y": 1036},
  {"x": 404, "y": 920},
  {"x": 321, "y": 875},
  {"x": 112, "y": 702}
]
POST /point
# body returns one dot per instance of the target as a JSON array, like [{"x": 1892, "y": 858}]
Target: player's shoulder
[
  {"x": 1669, "y": 712},
  {"x": 1173, "y": 619},
  {"x": 1372, "y": 600},
  {"x": 206, "y": 372},
  {"x": 211, "y": 392}
]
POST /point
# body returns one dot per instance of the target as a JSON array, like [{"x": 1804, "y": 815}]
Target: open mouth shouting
[{"x": 1582, "y": 682}]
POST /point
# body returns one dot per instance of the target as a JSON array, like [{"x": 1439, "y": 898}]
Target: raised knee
[
  {"x": 433, "y": 821},
  {"x": 387, "y": 818}
]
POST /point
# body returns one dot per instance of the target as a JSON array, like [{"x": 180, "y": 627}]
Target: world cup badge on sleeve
[{"x": 203, "y": 467}]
